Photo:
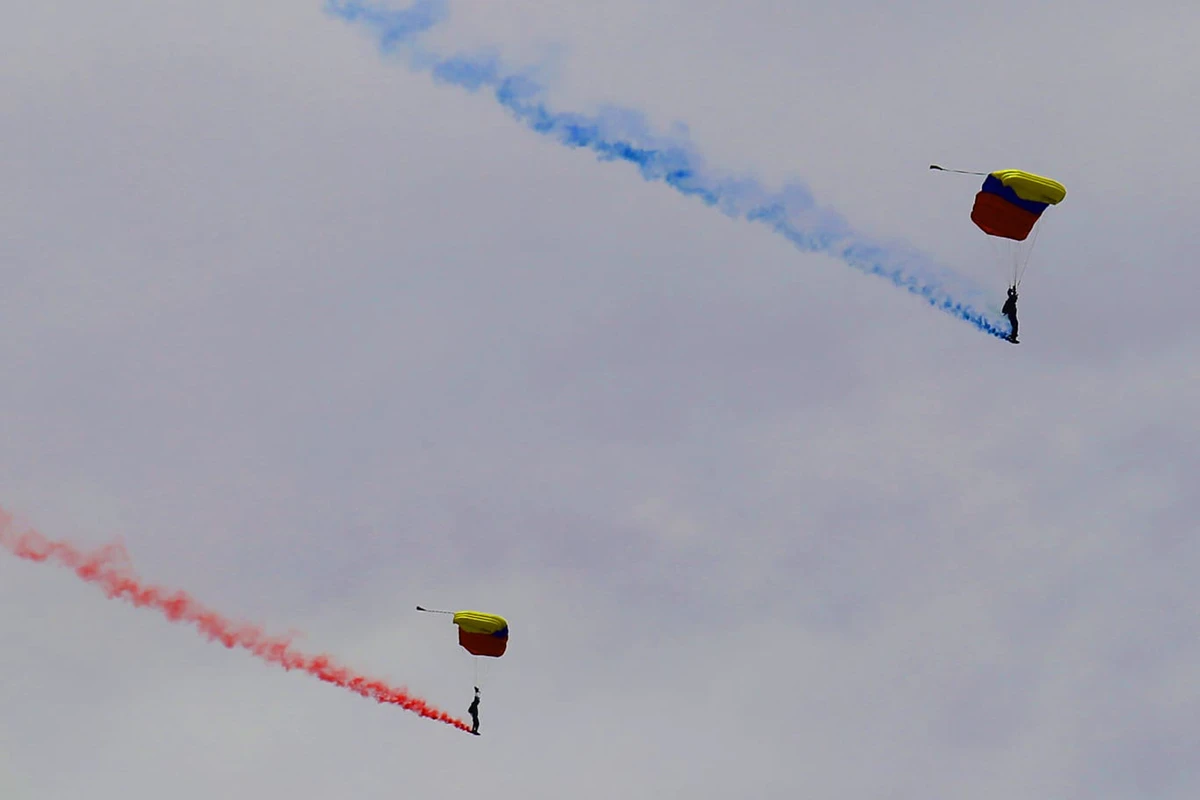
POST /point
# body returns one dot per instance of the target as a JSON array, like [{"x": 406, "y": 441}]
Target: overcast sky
[{"x": 320, "y": 339}]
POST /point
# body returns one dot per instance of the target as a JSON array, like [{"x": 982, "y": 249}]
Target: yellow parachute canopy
[
  {"x": 1035, "y": 188},
  {"x": 479, "y": 622}
]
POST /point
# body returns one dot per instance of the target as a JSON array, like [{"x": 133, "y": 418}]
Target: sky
[{"x": 320, "y": 338}]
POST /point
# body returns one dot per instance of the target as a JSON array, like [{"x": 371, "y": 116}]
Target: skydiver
[
  {"x": 474, "y": 712},
  {"x": 1010, "y": 311}
]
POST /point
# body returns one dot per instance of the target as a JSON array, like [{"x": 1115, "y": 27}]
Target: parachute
[
  {"x": 1008, "y": 208},
  {"x": 482, "y": 634},
  {"x": 1011, "y": 202}
]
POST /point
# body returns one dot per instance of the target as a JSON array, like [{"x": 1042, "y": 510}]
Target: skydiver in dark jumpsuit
[
  {"x": 474, "y": 712},
  {"x": 1010, "y": 311}
]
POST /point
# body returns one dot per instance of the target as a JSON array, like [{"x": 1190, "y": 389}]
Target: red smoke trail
[{"x": 109, "y": 568}]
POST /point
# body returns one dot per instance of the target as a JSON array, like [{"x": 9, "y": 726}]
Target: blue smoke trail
[{"x": 623, "y": 135}]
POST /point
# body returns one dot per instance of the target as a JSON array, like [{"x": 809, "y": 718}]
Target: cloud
[{"x": 322, "y": 340}]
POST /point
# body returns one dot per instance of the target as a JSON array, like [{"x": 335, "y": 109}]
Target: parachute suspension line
[
  {"x": 482, "y": 668},
  {"x": 959, "y": 171},
  {"x": 1019, "y": 272}
]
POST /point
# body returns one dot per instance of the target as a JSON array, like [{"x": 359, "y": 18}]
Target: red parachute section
[{"x": 109, "y": 568}]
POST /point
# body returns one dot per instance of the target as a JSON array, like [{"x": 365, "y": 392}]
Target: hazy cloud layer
[{"x": 322, "y": 340}]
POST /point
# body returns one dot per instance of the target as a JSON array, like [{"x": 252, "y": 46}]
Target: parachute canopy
[
  {"x": 1011, "y": 201},
  {"x": 482, "y": 634}
]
